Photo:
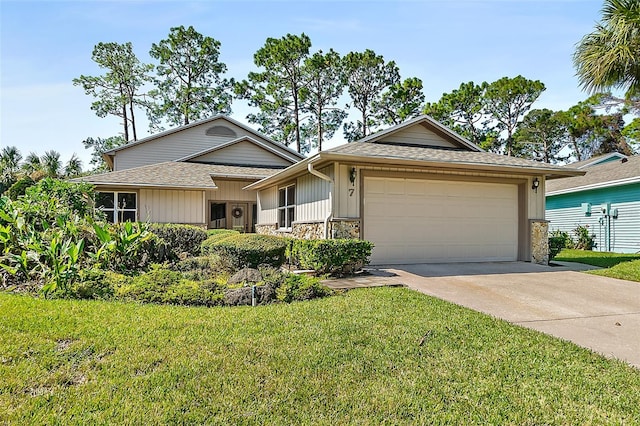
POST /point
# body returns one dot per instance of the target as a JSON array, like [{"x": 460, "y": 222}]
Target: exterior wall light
[
  {"x": 535, "y": 184},
  {"x": 352, "y": 175}
]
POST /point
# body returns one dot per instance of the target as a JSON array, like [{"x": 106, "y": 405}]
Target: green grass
[
  {"x": 350, "y": 359},
  {"x": 595, "y": 258},
  {"x": 624, "y": 271}
]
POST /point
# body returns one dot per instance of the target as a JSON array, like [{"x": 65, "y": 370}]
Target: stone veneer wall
[
  {"x": 341, "y": 228},
  {"x": 539, "y": 241},
  {"x": 345, "y": 228}
]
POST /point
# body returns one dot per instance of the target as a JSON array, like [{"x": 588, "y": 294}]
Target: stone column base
[{"x": 539, "y": 241}]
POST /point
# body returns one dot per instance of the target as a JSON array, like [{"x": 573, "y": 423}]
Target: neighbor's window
[
  {"x": 118, "y": 206},
  {"x": 286, "y": 206}
]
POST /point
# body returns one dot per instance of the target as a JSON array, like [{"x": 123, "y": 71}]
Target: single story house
[
  {"x": 606, "y": 199},
  {"x": 419, "y": 192},
  {"x": 193, "y": 174}
]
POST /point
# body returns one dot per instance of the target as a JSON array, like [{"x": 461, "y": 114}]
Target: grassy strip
[
  {"x": 624, "y": 271},
  {"x": 595, "y": 258},
  {"x": 375, "y": 356}
]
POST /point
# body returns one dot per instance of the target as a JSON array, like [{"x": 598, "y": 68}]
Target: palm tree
[
  {"x": 9, "y": 165},
  {"x": 51, "y": 163},
  {"x": 73, "y": 167},
  {"x": 607, "y": 58},
  {"x": 32, "y": 163}
]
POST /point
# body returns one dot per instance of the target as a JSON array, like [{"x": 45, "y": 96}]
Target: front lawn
[
  {"x": 595, "y": 258},
  {"x": 625, "y": 271},
  {"x": 374, "y": 356}
]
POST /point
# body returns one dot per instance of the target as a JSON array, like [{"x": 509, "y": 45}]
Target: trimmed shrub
[
  {"x": 20, "y": 187},
  {"x": 206, "y": 248},
  {"x": 96, "y": 284},
  {"x": 336, "y": 256},
  {"x": 203, "y": 268},
  {"x": 179, "y": 238},
  {"x": 248, "y": 250},
  {"x": 301, "y": 287},
  {"x": 557, "y": 241},
  {"x": 211, "y": 232}
]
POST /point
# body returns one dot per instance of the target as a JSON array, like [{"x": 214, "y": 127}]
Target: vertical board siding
[
  {"x": 565, "y": 213},
  {"x": 312, "y": 196},
  {"x": 171, "y": 206},
  {"x": 268, "y": 206},
  {"x": 244, "y": 153},
  {"x": 230, "y": 190}
]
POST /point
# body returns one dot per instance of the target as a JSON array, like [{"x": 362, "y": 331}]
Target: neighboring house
[
  {"x": 193, "y": 174},
  {"x": 606, "y": 199},
  {"x": 419, "y": 192}
]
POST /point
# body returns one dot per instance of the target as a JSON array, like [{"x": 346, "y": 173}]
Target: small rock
[
  {"x": 618, "y": 324},
  {"x": 246, "y": 275}
]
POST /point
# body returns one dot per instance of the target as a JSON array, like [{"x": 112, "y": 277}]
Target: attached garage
[
  {"x": 430, "y": 220},
  {"x": 421, "y": 193}
]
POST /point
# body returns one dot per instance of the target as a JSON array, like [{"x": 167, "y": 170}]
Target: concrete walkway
[{"x": 599, "y": 313}]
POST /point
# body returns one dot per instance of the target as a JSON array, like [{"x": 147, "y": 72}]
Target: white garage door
[{"x": 417, "y": 220}]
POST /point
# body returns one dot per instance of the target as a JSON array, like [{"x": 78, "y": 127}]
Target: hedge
[
  {"x": 179, "y": 238},
  {"x": 248, "y": 250},
  {"x": 335, "y": 256}
]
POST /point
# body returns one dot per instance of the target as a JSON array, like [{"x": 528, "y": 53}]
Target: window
[
  {"x": 220, "y": 131},
  {"x": 218, "y": 215},
  {"x": 118, "y": 206},
  {"x": 286, "y": 206}
]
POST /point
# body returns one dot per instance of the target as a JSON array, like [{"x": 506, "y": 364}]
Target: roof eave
[
  {"x": 598, "y": 185},
  {"x": 151, "y": 185}
]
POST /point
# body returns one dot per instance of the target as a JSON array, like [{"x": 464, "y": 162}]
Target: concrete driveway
[{"x": 599, "y": 313}]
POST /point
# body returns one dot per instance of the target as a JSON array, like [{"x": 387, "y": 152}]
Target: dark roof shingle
[{"x": 599, "y": 174}]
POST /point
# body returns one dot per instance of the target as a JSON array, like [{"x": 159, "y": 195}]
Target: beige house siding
[
  {"x": 180, "y": 144},
  {"x": 243, "y": 153},
  {"x": 230, "y": 190},
  {"x": 268, "y": 206},
  {"x": 418, "y": 135},
  {"x": 171, "y": 206}
]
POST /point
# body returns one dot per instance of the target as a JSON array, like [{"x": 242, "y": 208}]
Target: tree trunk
[
  {"x": 319, "y": 128},
  {"x": 574, "y": 142},
  {"x": 133, "y": 120},
  {"x": 297, "y": 118}
]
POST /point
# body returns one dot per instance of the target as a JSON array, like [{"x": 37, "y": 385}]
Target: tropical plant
[{"x": 607, "y": 58}]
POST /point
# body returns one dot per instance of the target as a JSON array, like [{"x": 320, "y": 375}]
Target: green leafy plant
[
  {"x": 179, "y": 239},
  {"x": 557, "y": 241},
  {"x": 301, "y": 287},
  {"x": 584, "y": 239},
  {"x": 335, "y": 256},
  {"x": 248, "y": 250}
]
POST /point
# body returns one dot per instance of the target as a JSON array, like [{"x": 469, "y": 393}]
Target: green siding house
[{"x": 606, "y": 200}]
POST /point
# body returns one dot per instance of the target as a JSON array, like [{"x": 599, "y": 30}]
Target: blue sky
[{"x": 45, "y": 44}]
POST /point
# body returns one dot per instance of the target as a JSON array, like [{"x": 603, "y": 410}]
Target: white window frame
[
  {"x": 117, "y": 210},
  {"x": 286, "y": 207}
]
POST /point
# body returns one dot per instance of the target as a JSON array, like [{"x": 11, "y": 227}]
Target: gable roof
[
  {"x": 177, "y": 175},
  {"x": 429, "y": 123},
  {"x": 612, "y": 173},
  {"x": 262, "y": 145},
  {"x": 593, "y": 161},
  {"x": 109, "y": 154}
]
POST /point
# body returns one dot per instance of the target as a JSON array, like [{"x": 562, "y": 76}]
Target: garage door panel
[{"x": 412, "y": 220}]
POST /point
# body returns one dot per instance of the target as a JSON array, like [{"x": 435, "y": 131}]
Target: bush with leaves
[
  {"x": 584, "y": 239},
  {"x": 179, "y": 239},
  {"x": 557, "y": 241},
  {"x": 301, "y": 287},
  {"x": 337, "y": 256},
  {"x": 20, "y": 187},
  {"x": 227, "y": 232},
  {"x": 247, "y": 250}
]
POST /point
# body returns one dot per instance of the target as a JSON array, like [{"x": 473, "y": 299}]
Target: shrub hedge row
[
  {"x": 247, "y": 250},
  {"x": 336, "y": 256},
  {"x": 179, "y": 239}
]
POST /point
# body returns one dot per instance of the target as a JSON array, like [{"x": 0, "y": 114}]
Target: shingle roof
[
  {"x": 177, "y": 175},
  {"x": 599, "y": 175},
  {"x": 592, "y": 160},
  {"x": 436, "y": 154}
]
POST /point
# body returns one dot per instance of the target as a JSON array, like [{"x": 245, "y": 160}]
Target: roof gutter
[{"x": 331, "y": 186}]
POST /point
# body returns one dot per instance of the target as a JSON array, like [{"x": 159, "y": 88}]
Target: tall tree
[
  {"x": 51, "y": 163},
  {"x": 463, "y": 111},
  {"x": 98, "y": 146},
  {"x": 32, "y": 163},
  {"x": 118, "y": 90},
  {"x": 10, "y": 158},
  {"x": 190, "y": 83},
  {"x": 607, "y": 58},
  {"x": 507, "y": 100},
  {"x": 402, "y": 101},
  {"x": 276, "y": 91},
  {"x": 541, "y": 136},
  {"x": 73, "y": 167},
  {"x": 324, "y": 85},
  {"x": 632, "y": 134},
  {"x": 368, "y": 77}
]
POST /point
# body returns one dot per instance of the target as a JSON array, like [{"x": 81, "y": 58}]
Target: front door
[{"x": 240, "y": 217}]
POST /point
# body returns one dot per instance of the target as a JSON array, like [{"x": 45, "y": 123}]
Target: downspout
[{"x": 331, "y": 183}]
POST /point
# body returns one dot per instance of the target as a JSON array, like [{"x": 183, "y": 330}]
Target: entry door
[{"x": 240, "y": 217}]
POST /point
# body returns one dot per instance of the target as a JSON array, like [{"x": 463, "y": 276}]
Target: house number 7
[{"x": 351, "y": 191}]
